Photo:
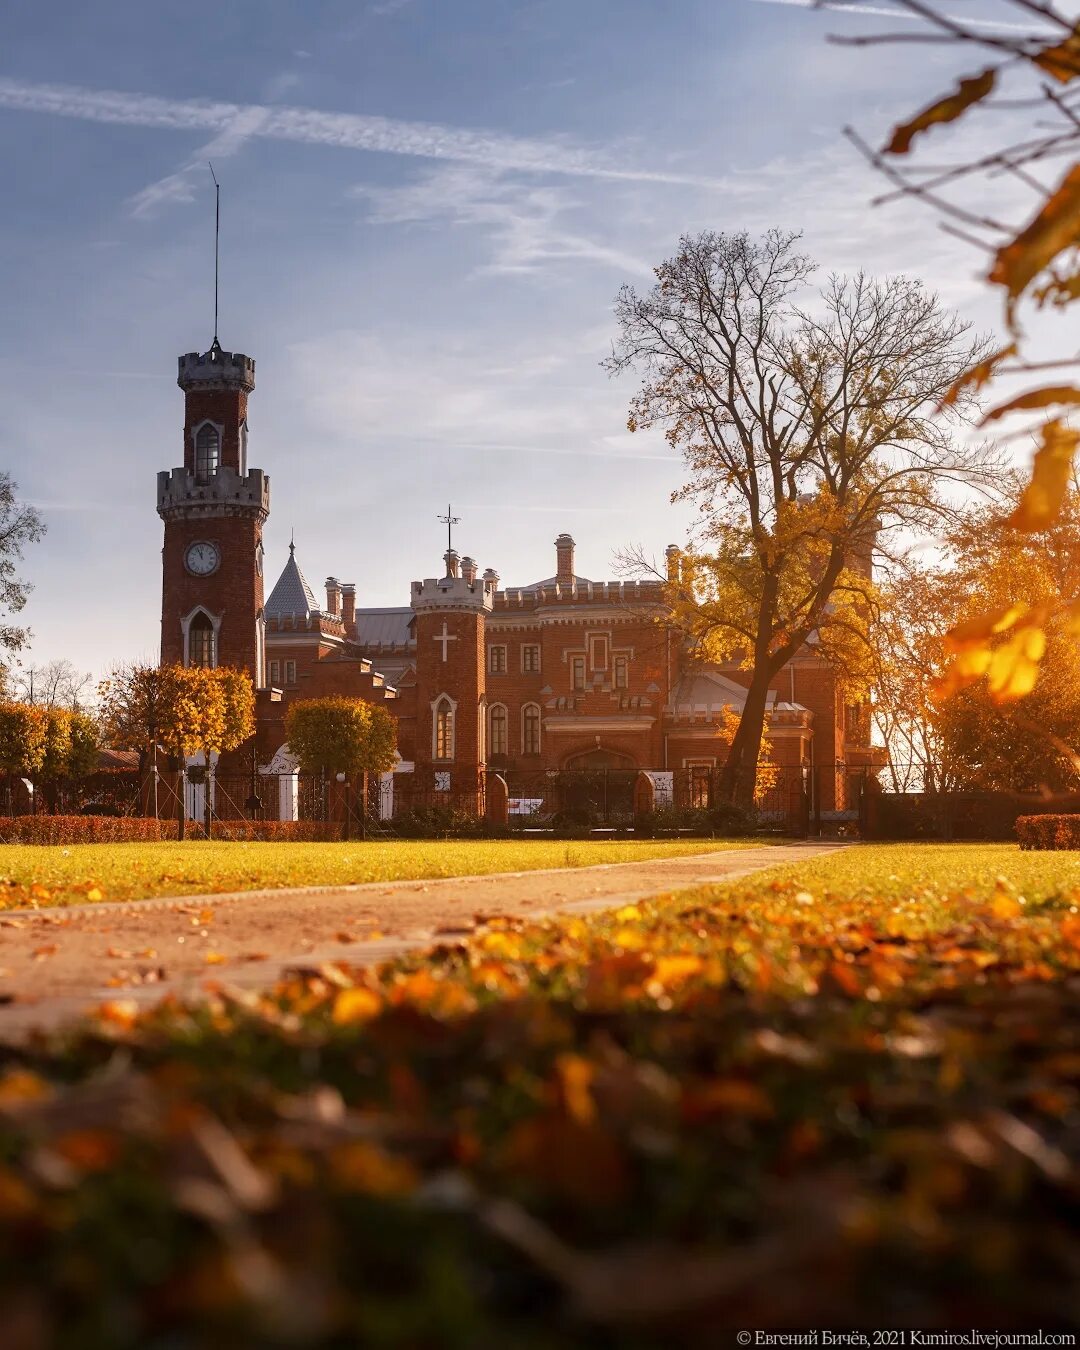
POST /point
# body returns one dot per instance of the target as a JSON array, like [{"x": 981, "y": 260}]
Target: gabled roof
[{"x": 292, "y": 594}]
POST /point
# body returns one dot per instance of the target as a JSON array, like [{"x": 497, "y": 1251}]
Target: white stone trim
[
  {"x": 435, "y": 702},
  {"x": 493, "y": 708},
  {"x": 215, "y": 620}
]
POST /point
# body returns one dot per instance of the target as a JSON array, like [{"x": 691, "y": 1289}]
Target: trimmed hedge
[
  {"x": 1048, "y": 831},
  {"x": 85, "y": 830},
  {"x": 146, "y": 830}
]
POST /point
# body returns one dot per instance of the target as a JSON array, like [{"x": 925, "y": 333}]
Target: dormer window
[{"x": 207, "y": 452}]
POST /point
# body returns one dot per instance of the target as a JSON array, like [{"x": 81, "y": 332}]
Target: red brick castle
[{"x": 560, "y": 673}]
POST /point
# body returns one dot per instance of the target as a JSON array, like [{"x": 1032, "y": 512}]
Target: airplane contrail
[{"x": 349, "y": 131}]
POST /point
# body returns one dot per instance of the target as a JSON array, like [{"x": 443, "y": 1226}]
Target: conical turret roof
[{"x": 292, "y": 594}]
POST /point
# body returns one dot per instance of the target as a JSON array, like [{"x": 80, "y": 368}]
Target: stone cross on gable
[{"x": 444, "y": 637}]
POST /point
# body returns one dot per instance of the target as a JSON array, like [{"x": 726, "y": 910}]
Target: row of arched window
[{"x": 498, "y": 729}]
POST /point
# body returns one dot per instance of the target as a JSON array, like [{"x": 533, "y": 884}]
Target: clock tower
[{"x": 214, "y": 509}]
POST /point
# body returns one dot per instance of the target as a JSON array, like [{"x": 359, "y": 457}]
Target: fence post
[
  {"x": 644, "y": 797},
  {"x": 497, "y": 801}
]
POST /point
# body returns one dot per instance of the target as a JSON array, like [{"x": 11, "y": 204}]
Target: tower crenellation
[{"x": 216, "y": 369}]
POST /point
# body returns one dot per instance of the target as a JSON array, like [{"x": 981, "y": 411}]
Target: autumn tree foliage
[
  {"x": 186, "y": 710},
  {"x": 46, "y": 746},
  {"x": 808, "y": 425},
  {"x": 942, "y": 736},
  {"x": 1026, "y": 98},
  {"x": 20, "y": 525},
  {"x": 341, "y": 735}
]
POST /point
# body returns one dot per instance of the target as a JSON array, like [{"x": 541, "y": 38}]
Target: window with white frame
[
  {"x": 598, "y": 653},
  {"x": 577, "y": 672},
  {"x": 290, "y": 672},
  {"x": 622, "y": 671},
  {"x": 275, "y": 674},
  {"x": 443, "y": 729},
  {"x": 207, "y": 452},
  {"x": 700, "y": 774},
  {"x": 530, "y": 658},
  {"x": 530, "y": 729},
  {"x": 202, "y": 641},
  {"x": 498, "y": 729},
  {"x": 497, "y": 660}
]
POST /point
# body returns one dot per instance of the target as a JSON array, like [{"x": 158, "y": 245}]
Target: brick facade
[{"x": 564, "y": 672}]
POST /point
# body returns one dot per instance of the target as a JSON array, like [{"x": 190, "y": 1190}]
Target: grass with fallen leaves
[
  {"x": 845, "y": 1093},
  {"x": 34, "y": 874}
]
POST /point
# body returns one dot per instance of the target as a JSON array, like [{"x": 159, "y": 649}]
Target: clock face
[{"x": 201, "y": 559}]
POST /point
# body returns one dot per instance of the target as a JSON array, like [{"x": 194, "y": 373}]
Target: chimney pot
[
  {"x": 451, "y": 557},
  {"x": 348, "y": 604},
  {"x": 468, "y": 569},
  {"x": 564, "y": 559},
  {"x": 333, "y": 596}
]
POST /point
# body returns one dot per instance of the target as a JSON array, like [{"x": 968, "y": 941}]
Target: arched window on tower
[
  {"x": 207, "y": 452},
  {"x": 444, "y": 729},
  {"x": 498, "y": 738},
  {"x": 202, "y": 642}
]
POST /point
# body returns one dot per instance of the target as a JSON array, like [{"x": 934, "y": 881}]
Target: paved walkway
[{"x": 57, "y": 963}]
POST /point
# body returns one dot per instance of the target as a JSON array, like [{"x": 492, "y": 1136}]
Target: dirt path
[{"x": 54, "y": 964}]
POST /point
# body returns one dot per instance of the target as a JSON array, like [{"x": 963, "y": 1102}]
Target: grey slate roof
[
  {"x": 383, "y": 627},
  {"x": 292, "y": 594}
]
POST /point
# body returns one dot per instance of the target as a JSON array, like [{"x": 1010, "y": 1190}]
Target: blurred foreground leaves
[{"x": 766, "y": 1105}]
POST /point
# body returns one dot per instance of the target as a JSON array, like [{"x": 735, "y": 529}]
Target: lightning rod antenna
[{"x": 217, "y": 239}]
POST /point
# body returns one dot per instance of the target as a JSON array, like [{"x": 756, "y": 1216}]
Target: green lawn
[
  {"x": 82, "y": 873},
  {"x": 891, "y": 872}
]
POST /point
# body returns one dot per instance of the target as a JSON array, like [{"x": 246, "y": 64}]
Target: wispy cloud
[
  {"x": 180, "y": 186},
  {"x": 891, "y": 12},
  {"x": 526, "y": 222},
  {"x": 348, "y": 131}
]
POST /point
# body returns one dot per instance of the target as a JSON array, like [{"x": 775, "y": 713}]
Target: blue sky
[{"x": 428, "y": 206}]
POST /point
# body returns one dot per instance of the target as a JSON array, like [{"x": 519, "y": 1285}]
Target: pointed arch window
[
  {"x": 498, "y": 730},
  {"x": 443, "y": 729},
  {"x": 202, "y": 641},
  {"x": 530, "y": 729},
  {"x": 207, "y": 452}
]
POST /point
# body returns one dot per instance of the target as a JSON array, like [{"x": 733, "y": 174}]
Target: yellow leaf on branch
[
  {"x": 974, "y": 633},
  {"x": 1035, "y": 398},
  {"x": 1062, "y": 60},
  {"x": 1014, "y": 666},
  {"x": 977, "y": 376},
  {"x": 1054, "y": 228},
  {"x": 1041, "y": 502},
  {"x": 947, "y": 109}
]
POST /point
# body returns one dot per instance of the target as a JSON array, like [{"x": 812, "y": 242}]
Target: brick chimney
[
  {"x": 468, "y": 570},
  {"x": 452, "y": 559},
  {"x": 564, "y": 559},
  {"x": 673, "y": 554},
  {"x": 348, "y": 605},
  {"x": 333, "y": 596}
]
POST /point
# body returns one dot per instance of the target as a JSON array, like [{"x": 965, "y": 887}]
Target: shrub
[
  {"x": 271, "y": 831},
  {"x": 103, "y": 829},
  {"x": 1048, "y": 831},
  {"x": 437, "y": 822},
  {"x": 726, "y": 818},
  {"x": 85, "y": 830}
]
